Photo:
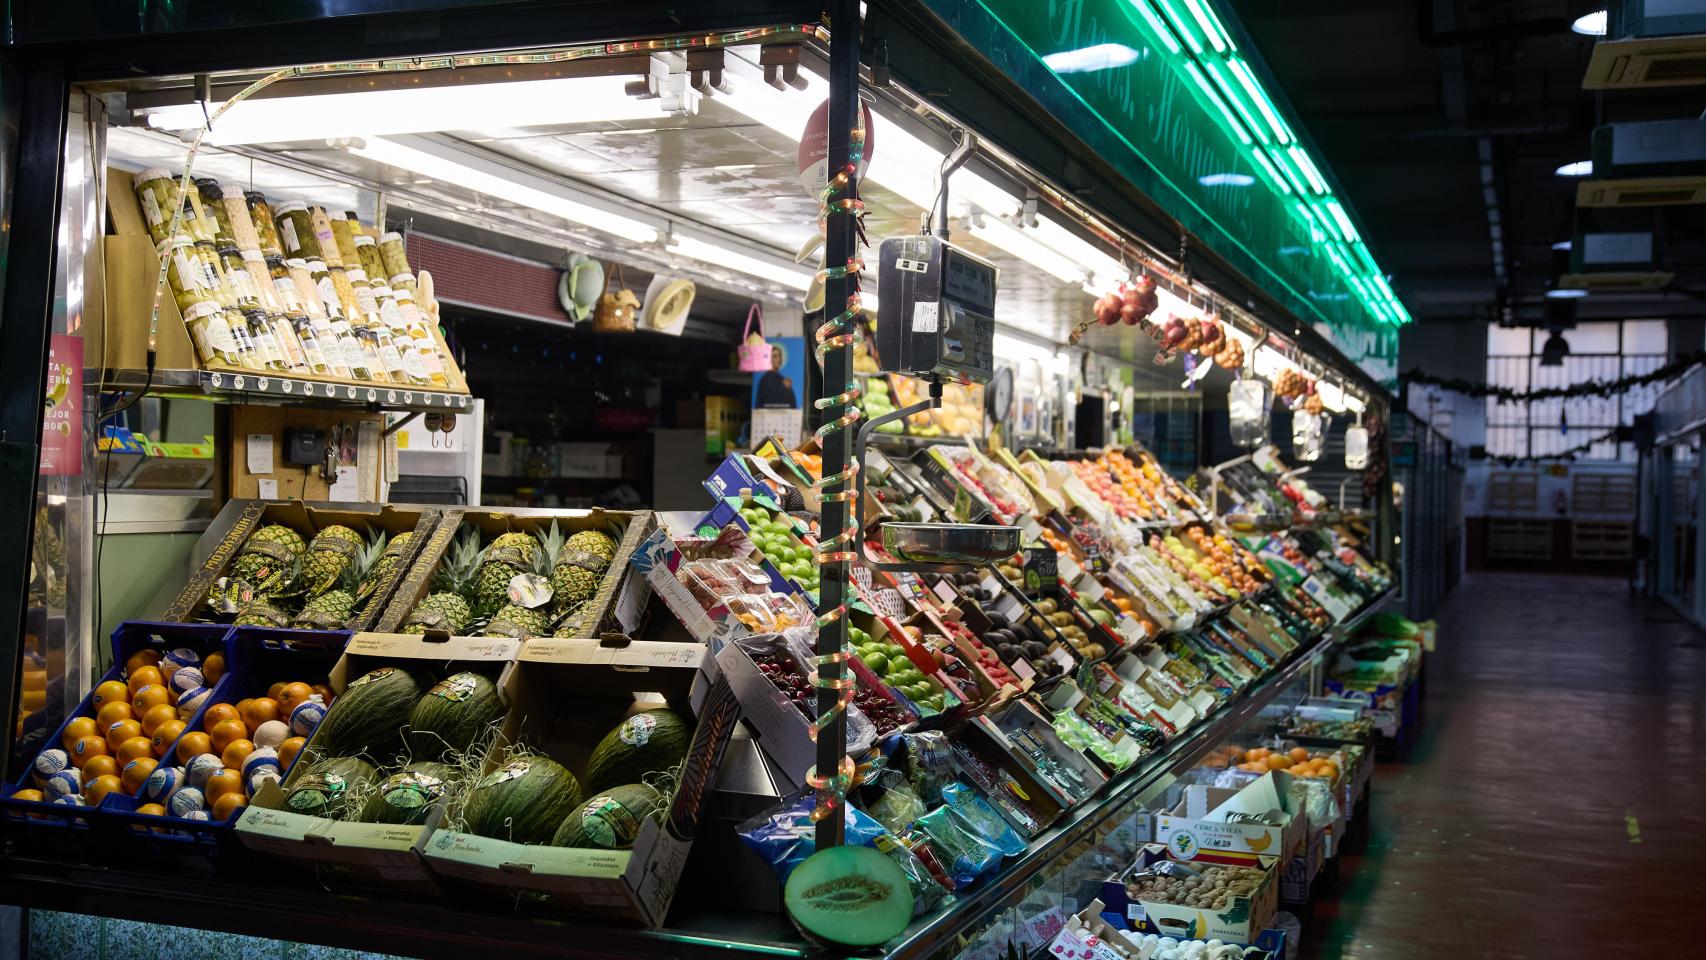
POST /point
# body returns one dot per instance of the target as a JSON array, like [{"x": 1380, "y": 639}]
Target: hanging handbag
[
  {"x": 754, "y": 349},
  {"x": 616, "y": 310}
]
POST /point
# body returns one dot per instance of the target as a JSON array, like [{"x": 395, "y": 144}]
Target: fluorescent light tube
[
  {"x": 1025, "y": 248},
  {"x": 482, "y": 172},
  {"x": 1237, "y": 102},
  {"x": 1208, "y": 92},
  {"x": 773, "y": 270},
  {"x": 1157, "y": 27},
  {"x": 377, "y": 113},
  {"x": 1247, "y": 80},
  {"x": 1210, "y": 26},
  {"x": 1306, "y": 166}
]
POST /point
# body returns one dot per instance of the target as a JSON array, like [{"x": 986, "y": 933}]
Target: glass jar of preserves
[
  {"x": 236, "y": 271},
  {"x": 189, "y": 279},
  {"x": 306, "y": 292},
  {"x": 372, "y": 264},
  {"x": 266, "y": 231},
  {"x": 213, "y": 203},
  {"x": 212, "y": 336},
  {"x": 260, "y": 274},
  {"x": 224, "y": 290},
  {"x": 284, "y": 333},
  {"x": 296, "y": 230},
  {"x": 157, "y": 192},
  {"x": 426, "y": 345},
  {"x": 237, "y": 217},
  {"x": 266, "y": 345},
  {"x": 343, "y": 235},
  {"x": 323, "y": 236}
]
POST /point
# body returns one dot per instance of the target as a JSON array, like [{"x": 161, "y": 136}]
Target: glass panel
[
  {"x": 1584, "y": 338},
  {"x": 1507, "y": 341},
  {"x": 1645, "y": 336}
]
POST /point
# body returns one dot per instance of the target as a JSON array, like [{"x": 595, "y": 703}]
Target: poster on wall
[
  {"x": 784, "y": 383},
  {"x": 62, "y": 423}
]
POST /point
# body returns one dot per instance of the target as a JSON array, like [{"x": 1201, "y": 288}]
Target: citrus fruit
[
  {"x": 213, "y": 667},
  {"x": 288, "y": 750},
  {"x": 142, "y": 658},
  {"x": 223, "y": 782},
  {"x": 110, "y": 691},
  {"x": 227, "y": 804},
  {"x": 258, "y": 711},
  {"x": 293, "y": 694},
  {"x": 86, "y": 747},
  {"x": 135, "y": 748},
  {"x": 77, "y": 729},
  {"x": 165, "y": 735},
  {"x": 149, "y": 696},
  {"x": 94, "y": 790},
  {"x": 121, "y": 731},
  {"x": 136, "y": 773},
  {"x": 143, "y": 676},
  {"x": 193, "y": 743},
  {"x": 112, "y": 712},
  {"x": 236, "y": 752},
  {"x": 218, "y": 712}
]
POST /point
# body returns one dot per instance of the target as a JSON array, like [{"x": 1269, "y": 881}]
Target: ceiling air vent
[
  {"x": 1650, "y": 280},
  {"x": 1631, "y": 64},
  {"x": 1643, "y": 192}
]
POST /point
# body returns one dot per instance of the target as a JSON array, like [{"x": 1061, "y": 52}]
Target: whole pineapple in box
[
  {"x": 580, "y": 569},
  {"x": 267, "y": 565},
  {"x": 262, "y": 613},
  {"x": 332, "y": 551},
  {"x": 519, "y": 622},
  {"x": 333, "y": 609},
  {"x": 446, "y": 607},
  {"x": 506, "y": 556},
  {"x": 388, "y": 561}
]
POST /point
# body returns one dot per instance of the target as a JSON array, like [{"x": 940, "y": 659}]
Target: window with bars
[{"x": 1599, "y": 350}]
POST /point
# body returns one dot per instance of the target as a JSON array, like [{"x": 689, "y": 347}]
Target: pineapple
[
  {"x": 262, "y": 613},
  {"x": 519, "y": 622},
  {"x": 388, "y": 561},
  {"x": 447, "y": 605},
  {"x": 266, "y": 566},
  {"x": 332, "y": 609},
  {"x": 330, "y": 553},
  {"x": 580, "y": 569},
  {"x": 506, "y": 556}
]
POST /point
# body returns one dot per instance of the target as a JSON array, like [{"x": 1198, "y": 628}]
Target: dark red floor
[{"x": 1554, "y": 804}]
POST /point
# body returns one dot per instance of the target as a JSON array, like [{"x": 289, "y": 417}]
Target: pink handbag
[{"x": 754, "y": 349}]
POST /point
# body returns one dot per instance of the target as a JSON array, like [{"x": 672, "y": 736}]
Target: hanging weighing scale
[{"x": 937, "y": 324}]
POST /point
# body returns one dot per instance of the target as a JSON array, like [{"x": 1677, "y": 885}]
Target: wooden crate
[
  {"x": 1603, "y": 493},
  {"x": 1509, "y": 539},
  {"x": 1601, "y": 540}
]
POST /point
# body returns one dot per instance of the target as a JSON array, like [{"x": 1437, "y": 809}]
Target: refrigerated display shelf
[{"x": 271, "y": 906}]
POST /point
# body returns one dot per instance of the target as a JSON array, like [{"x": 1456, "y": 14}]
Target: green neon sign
[{"x": 1184, "y": 114}]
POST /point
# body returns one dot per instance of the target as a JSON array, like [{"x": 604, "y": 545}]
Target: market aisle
[{"x": 1553, "y": 804}]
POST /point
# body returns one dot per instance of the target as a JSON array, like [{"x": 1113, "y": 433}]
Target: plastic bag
[
  {"x": 963, "y": 854},
  {"x": 786, "y": 835},
  {"x": 975, "y": 814},
  {"x": 927, "y": 891},
  {"x": 928, "y": 762}
]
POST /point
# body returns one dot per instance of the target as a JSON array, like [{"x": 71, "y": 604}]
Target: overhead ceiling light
[
  {"x": 476, "y": 170},
  {"x": 776, "y": 271},
  {"x": 1102, "y": 56},
  {"x": 1017, "y": 243},
  {"x": 1590, "y": 24},
  {"x": 1554, "y": 350},
  {"x": 1565, "y": 293},
  {"x": 1561, "y": 245},
  {"x": 1579, "y": 168},
  {"x": 378, "y": 113},
  {"x": 1226, "y": 180}
]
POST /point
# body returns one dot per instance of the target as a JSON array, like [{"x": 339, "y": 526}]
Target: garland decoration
[
  {"x": 1609, "y": 436},
  {"x": 1586, "y": 388}
]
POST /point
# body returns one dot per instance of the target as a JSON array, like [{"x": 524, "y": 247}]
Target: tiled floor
[{"x": 1554, "y": 804}]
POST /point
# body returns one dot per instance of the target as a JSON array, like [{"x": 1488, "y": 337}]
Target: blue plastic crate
[
  {"x": 257, "y": 658},
  {"x": 128, "y": 638}
]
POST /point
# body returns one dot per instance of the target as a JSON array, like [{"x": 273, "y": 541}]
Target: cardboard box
[
  {"x": 983, "y": 757},
  {"x": 368, "y": 855},
  {"x": 615, "y": 608},
  {"x": 565, "y": 695},
  {"x": 1028, "y": 735},
  {"x": 1243, "y": 920},
  {"x": 588, "y": 460},
  {"x": 782, "y": 731},
  {"x": 1200, "y": 824},
  {"x": 239, "y": 518}
]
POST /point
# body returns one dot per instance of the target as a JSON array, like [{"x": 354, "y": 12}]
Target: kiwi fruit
[{"x": 852, "y": 896}]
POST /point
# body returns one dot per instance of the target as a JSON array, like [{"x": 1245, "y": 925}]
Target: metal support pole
[
  {"x": 840, "y": 243},
  {"x": 33, "y": 94}
]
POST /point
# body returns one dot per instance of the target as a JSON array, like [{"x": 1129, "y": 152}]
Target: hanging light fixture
[{"x": 1554, "y": 350}]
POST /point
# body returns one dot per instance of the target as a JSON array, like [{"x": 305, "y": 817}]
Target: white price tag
[
  {"x": 924, "y": 317},
  {"x": 267, "y": 488},
  {"x": 258, "y": 453}
]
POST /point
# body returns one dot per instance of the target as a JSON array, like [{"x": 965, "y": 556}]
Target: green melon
[
  {"x": 610, "y": 820},
  {"x": 645, "y": 743},
  {"x": 323, "y": 790},
  {"x": 406, "y": 796},
  {"x": 849, "y": 895},
  {"x": 454, "y": 717},
  {"x": 523, "y": 801},
  {"x": 368, "y": 718}
]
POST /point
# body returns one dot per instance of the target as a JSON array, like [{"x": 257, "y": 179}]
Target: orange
[
  {"x": 213, "y": 667},
  {"x": 143, "y": 676},
  {"x": 223, "y": 782},
  {"x": 121, "y": 731},
  {"x": 193, "y": 744},
  {"x": 258, "y": 711},
  {"x": 236, "y": 752},
  {"x": 1257, "y": 753},
  {"x": 32, "y": 795},
  {"x": 288, "y": 750},
  {"x": 112, "y": 712},
  {"x": 96, "y": 789},
  {"x": 165, "y": 735},
  {"x": 149, "y": 696},
  {"x": 136, "y": 773},
  {"x": 1278, "y": 761},
  {"x": 151, "y": 810},
  {"x": 218, "y": 712},
  {"x": 90, "y": 746},
  {"x": 293, "y": 694},
  {"x": 243, "y": 706},
  {"x": 108, "y": 692},
  {"x": 1298, "y": 754},
  {"x": 156, "y": 715},
  {"x": 273, "y": 691},
  {"x": 325, "y": 693},
  {"x": 142, "y": 658},
  {"x": 135, "y": 748},
  {"x": 77, "y": 729},
  {"x": 227, "y": 804},
  {"x": 224, "y": 732},
  {"x": 99, "y": 766}
]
